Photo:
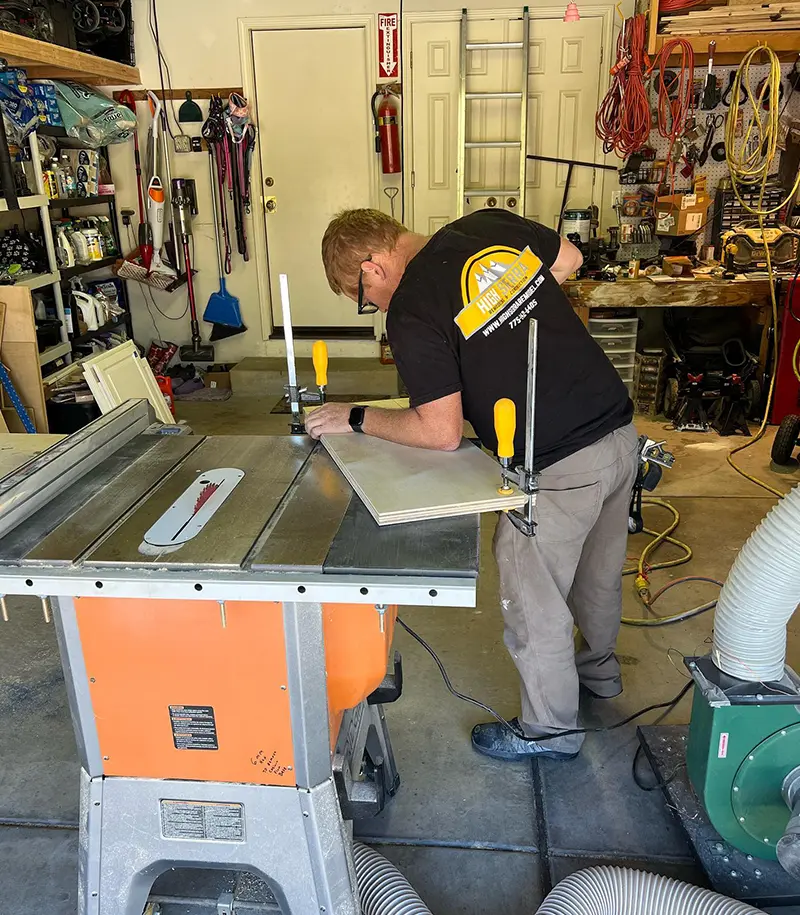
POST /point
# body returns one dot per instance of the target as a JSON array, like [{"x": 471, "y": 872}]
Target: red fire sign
[{"x": 388, "y": 67}]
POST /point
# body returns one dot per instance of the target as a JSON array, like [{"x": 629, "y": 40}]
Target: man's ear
[{"x": 374, "y": 269}]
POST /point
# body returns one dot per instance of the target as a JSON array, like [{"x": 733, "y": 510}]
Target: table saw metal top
[{"x": 249, "y": 516}]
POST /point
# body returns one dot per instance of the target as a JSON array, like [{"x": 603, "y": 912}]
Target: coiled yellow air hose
[{"x": 749, "y": 162}]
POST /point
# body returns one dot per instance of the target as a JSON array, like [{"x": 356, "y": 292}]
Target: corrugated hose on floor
[
  {"x": 381, "y": 886},
  {"x": 622, "y": 891},
  {"x": 594, "y": 891}
]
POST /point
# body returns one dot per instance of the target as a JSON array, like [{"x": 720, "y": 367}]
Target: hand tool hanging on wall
[
  {"x": 170, "y": 245},
  {"x": 197, "y": 351},
  {"x": 214, "y": 134},
  {"x": 713, "y": 123},
  {"x": 190, "y": 112},
  {"x": 156, "y": 196},
  {"x": 144, "y": 235},
  {"x": 711, "y": 89},
  {"x": 222, "y": 309},
  {"x": 241, "y": 141}
]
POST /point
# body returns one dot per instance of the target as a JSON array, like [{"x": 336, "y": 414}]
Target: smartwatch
[{"x": 357, "y": 419}]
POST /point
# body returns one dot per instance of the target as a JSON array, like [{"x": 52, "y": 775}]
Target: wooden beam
[
  {"x": 585, "y": 294},
  {"x": 179, "y": 95},
  {"x": 730, "y": 48},
  {"x": 44, "y": 60},
  {"x": 652, "y": 28}
]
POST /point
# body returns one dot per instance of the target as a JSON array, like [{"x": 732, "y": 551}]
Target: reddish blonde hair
[{"x": 352, "y": 237}]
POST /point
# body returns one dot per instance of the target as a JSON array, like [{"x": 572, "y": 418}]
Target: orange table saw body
[{"x": 176, "y": 695}]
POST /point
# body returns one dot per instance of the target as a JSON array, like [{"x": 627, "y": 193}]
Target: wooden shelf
[
  {"x": 43, "y": 60},
  {"x": 731, "y": 47}
]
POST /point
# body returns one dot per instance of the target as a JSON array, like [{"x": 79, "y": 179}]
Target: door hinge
[
  {"x": 602, "y": 53},
  {"x": 413, "y": 179},
  {"x": 410, "y": 60}
]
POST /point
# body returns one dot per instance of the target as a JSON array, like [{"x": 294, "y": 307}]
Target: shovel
[{"x": 222, "y": 309}]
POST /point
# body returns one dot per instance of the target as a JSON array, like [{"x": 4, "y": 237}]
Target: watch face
[{"x": 357, "y": 418}]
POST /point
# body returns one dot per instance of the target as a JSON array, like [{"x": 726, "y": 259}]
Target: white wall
[{"x": 200, "y": 39}]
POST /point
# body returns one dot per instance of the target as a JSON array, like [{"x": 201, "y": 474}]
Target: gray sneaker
[{"x": 495, "y": 740}]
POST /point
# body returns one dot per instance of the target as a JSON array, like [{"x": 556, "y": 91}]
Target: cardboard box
[
  {"x": 217, "y": 380},
  {"x": 677, "y": 266},
  {"x": 681, "y": 214}
]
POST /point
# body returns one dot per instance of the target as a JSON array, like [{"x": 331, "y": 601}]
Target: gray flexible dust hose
[
  {"x": 381, "y": 886},
  {"x": 759, "y": 597},
  {"x": 622, "y": 891}
]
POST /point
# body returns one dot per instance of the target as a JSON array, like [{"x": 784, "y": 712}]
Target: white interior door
[
  {"x": 316, "y": 148},
  {"x": 564, "y": 85}
]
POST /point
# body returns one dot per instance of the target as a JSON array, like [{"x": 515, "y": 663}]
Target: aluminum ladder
[{"x": 516, "y": 193}]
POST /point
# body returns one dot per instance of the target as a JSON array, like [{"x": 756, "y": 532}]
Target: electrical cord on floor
[
  {"x": 658, "y": 784},
  {"x": 669, "y": 706},
  {"x": 749, "y": 162}
]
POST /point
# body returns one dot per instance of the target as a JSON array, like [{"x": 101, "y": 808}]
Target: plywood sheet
[{"x": 399, "y": 484}]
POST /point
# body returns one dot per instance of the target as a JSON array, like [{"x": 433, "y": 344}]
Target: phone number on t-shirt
[{"x": 511, "y": 311}]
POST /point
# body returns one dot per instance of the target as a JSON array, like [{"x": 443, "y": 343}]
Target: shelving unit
[
  {"x": 39, "y": 280},
  {"x": 79, "y": 269},
  {"x": 39, "y": 201},
  {"x": 54, "y": 352},
  {"x": 43, "y": 60},
  {"x": 730, "y": 46},
  {"x": 67, "y": 203}
]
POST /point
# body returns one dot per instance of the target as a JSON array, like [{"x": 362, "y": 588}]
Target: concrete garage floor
[{"x": 472, "y": 835}]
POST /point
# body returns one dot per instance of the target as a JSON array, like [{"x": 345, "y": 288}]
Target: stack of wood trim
[{"x": 766, "y": 17}]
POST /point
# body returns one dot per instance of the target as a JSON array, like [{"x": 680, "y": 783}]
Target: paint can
[{"x": 577, "y": 222}]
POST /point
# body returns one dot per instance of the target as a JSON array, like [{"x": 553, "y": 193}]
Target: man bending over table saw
[{"x": 456, "y": 362}]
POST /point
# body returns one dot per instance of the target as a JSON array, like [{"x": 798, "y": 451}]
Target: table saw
[{"x": 224, "y": 607}]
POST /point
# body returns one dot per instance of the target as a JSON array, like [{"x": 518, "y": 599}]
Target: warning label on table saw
[
  {"x": 193, "y": 727},
  {"x": 206, "y": 820}
]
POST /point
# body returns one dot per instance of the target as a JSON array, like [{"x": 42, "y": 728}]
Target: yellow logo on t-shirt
[{"x": 489, "y": 281}]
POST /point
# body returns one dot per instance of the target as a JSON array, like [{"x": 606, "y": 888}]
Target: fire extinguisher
[{"x": 387, "y": 131}]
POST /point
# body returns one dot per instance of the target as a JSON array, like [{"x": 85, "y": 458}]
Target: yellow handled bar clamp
[
  {"x": 319, "y": 356},
  {"x": 505, "y": 426}
]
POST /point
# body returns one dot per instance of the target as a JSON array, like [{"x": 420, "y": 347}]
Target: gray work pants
[{"x": 568, "y": 574}]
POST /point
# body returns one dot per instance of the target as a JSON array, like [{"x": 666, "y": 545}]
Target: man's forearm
[{"x": 406, "y": 427}]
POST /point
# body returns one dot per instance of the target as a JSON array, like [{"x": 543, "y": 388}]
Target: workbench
[
  {"x": 683, "y": 293},
  {"x": 224, "y": 607}
]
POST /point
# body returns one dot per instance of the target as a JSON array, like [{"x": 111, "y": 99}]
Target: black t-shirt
[{"x": 458, "y": 321}]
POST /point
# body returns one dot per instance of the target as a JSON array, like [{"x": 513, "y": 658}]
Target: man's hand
[{"x": 329, "y": 419}]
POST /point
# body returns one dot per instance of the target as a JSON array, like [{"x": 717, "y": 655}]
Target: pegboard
[{"x": 713, "y": 171}]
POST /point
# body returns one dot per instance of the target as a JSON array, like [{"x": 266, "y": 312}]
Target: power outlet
[
  {"x": 183, "y": 143},
  {"x": 616, "y": 198}
]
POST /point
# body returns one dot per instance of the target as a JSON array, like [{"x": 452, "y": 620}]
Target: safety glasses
[{"x": 364, "y": 308}]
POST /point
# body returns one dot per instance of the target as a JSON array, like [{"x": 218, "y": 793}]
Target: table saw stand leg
[{"x": 134, "y": 829}]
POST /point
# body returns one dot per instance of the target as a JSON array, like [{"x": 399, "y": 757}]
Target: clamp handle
[
  {"x": 319, "y": 355},
  {"x": 505, "y": 425}
]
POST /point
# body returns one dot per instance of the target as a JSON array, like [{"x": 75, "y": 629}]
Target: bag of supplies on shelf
[
  {"x": 20, "y": 114},
  {"x": 91, "y": 117}
]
